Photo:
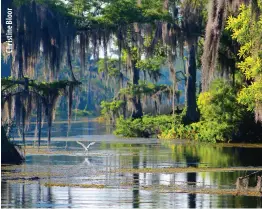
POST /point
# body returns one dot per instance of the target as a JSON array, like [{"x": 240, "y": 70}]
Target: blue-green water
[{"x": 72, "y": 165}]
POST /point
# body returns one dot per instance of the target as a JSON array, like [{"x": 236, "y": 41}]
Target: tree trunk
[
  {"x": 191, "y": 106},
  {"x": 136, "y": 100},
  {"x": 10, "y": 154},
  {"x": 89, "y": 97},
  {"x": 121, "y": 86},
  {"x": 39, "y": 120},
  {"x": 124, "y": 106},
  {"x": 172, "y": 71},
  {"x": 137, "y": 111}
]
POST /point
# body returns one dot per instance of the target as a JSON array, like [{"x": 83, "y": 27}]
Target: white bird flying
[{"x": 85, "y": 147}]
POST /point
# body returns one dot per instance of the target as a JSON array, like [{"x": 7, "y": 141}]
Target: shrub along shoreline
[{"x": 222, "y": 119}]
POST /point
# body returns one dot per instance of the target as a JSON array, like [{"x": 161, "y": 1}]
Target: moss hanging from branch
[
  {"x": 42, "y": 29},
  {"x": 70, "y": 101},
  {"x": 139, "y": 34},
  {"x": 217, "y": 14},
  {"x": 39, "y": 119},
  {"x": 83, "y": 46},
  {"x": 28, "y": 93}
]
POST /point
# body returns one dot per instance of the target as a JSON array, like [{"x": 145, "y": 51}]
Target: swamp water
[{"x": 126, "y": 173}]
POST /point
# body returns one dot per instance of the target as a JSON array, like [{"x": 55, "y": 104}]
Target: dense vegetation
[
  {"x": 121, "y": 51},
  {"x": 230, "y": 105}
]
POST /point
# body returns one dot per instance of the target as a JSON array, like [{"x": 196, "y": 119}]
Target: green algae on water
[{"x": 52, "y": 184}]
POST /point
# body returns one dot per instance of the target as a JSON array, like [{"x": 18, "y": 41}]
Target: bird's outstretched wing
[
  {"x": 82, "y": 145},
  {"x": 92, "y": 143}
]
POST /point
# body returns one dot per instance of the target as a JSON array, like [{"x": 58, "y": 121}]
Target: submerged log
[
  {"x": 242, "y": 183},
  {"x": 259, "y": 184}
]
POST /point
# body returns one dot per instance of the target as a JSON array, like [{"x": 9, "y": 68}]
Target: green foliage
[
  {"x": 202, "y": 4},
  {"x": 220, "y": 113},
  {"x": 111, "y": 109},
  {"x": 200, "y": 50},
  {"x": 251, "y": 94},
  {"x": 111, "y": 67},
  {"x": 212, "y": 131},
  {"x": 44, "y": 88},
  {"x": 145, "y": 126},
  {"x": 220, "y": 103},
  {"x": 178, "y": 131},
  {"x": 247, "y": 31},
  {"x": 111, "y": 14},
  {"x": 79, "y": 6},
  {"x": 81, "y": 113},
  {"x": 201, "y": 131},
  {"x": 153, "y": 63},
  {"x": 144, "y": 88},
  {"x": 221, "y": 117},
  {"x": 57, "y": 5},
  {"x": 127, "y": 11},
  {"x": 122, "y": 12}
]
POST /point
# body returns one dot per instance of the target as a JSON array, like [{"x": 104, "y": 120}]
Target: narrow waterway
[{"x": 125, "y": 173}]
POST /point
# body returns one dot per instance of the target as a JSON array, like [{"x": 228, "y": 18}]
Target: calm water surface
[{"x": 124, "y": 190}]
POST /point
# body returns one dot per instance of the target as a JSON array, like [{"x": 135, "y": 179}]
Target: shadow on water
[
  {"x": 125, "y": 189},
  {"x": 136, "y": 198},
  {"x": 192, "y": 180}
]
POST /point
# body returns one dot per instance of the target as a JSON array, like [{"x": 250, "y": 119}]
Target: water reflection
[
  {"x": 127, "y": 190},
  {"x": 191, "y": 179},
  {"x": 135, "y": 162},
  {"x": 76, "y": 128}
]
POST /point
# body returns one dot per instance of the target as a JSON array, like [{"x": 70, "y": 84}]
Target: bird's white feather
[
  {"x": 82, "y": 145},
  {"x": 92, "y": 143},
  {"x": 85, "y": 147}
]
